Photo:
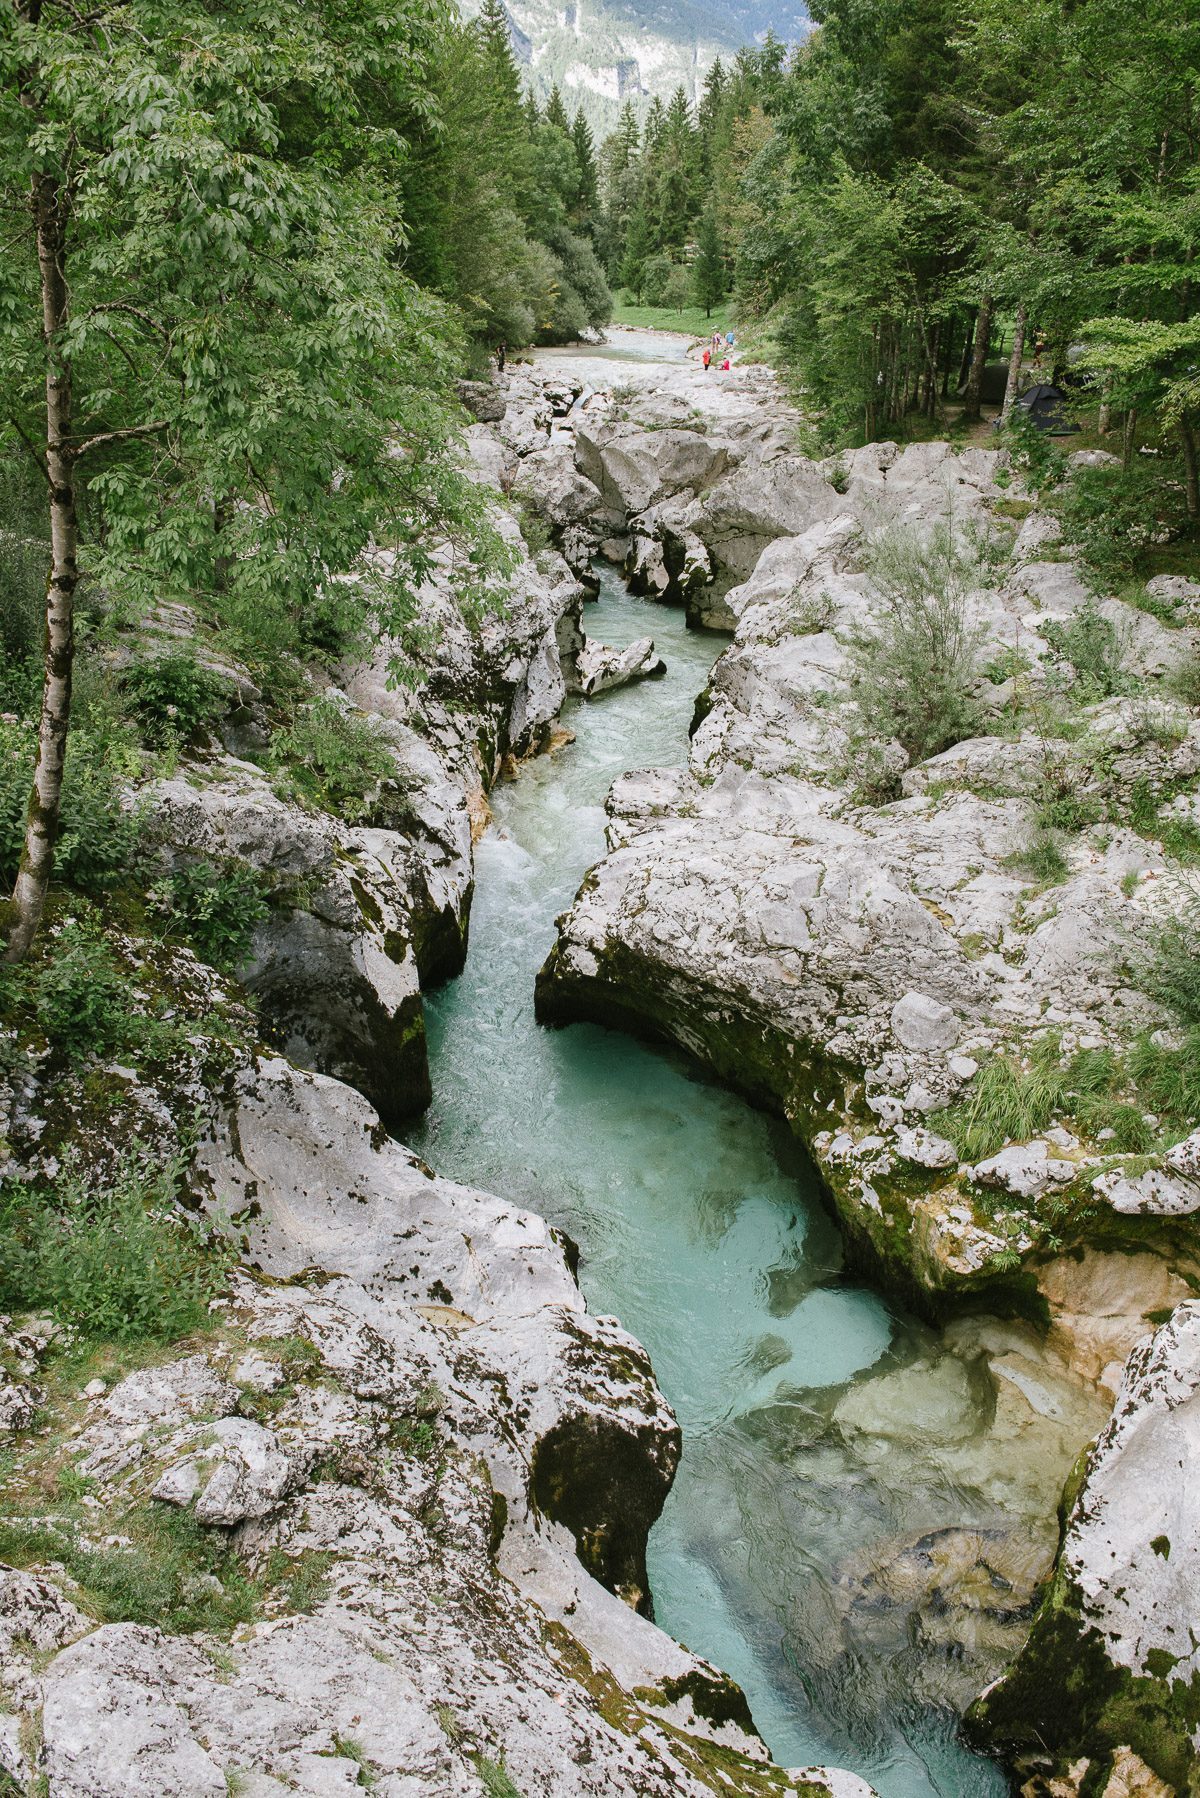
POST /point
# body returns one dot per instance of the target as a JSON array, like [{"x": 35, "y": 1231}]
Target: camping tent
[{"x": 1044, "y": 405}]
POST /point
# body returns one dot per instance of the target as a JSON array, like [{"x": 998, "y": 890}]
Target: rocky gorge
[{"x": 420, "y": 1472}]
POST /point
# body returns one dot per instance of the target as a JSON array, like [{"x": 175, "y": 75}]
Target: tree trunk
[
  {"x": 964, "y": 367},
  {"x": 983, "y": 332},
  {"x": 1014, "y": 361},
  {"x": 1192, "y": 475},
  {"x": 1127, "y": 437},
  {"x": 41, "y": 825}
]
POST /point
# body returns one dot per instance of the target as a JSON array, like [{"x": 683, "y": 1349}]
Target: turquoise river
[{"x": 702, "y": 1230}]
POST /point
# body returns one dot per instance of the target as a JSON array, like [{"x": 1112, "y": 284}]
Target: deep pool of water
[{"x": 700, "y": 1229}]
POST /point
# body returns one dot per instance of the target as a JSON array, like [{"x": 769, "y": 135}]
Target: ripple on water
[{"x": 699, "y": 1227}]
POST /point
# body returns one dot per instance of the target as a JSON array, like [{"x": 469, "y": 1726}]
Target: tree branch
[
  {"x": 121, "y": 436},
  {"x": 39, "y": 459}
]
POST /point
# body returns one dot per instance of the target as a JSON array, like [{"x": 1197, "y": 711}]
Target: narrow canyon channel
[{"x": 701, "y": 1229}]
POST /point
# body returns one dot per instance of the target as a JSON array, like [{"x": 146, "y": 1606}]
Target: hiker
[
  {"x": 500, "y": 354},
  {"x": 716, "y": 343},
  {"x": 707, "y": 358},
  {"x": 725, "y": 366},
  {"x": 729, "y": 338}
]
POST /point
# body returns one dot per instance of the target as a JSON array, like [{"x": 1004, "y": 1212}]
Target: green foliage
[
  {"x": 1033, "y": 452},
  {"x": 78, "y": 995},
  {"x": 99, "y": 837},
  {"x": 1113, "y": 518},
  {"x": 172, "y": 697},
  {"x": 1169, "y": 1076},
  {"x": 1069, "y": 811},
  {"x": 1168, "y": 966},
  {"x": 116, "y": 1261},
  {"x": 215, "y": 909},
  {"x": 247, "y": 352},
  {"x": 912, "y": 674},
  {"x": 1094, "y": 648},
  {"x": 334, "y": 756},
  {"x": 494, "y": 1778}
]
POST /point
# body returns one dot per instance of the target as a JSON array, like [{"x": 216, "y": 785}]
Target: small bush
[
  {"x": 912, "y": 674},
  {"x": 78, "y": 995},
  {"x": 172, "y": 698},
  {"x": 99, "y": 838},
  {"x": 1168, "y": 966},
  {"x": 1033, "y": 452},
  {"x": 1169, "y": 1078},
  {"x": 118, "y": 1262},
  {"x": 1114, "y": 517},
  {"x": 335, "y": 757},
  {"x": 1067, "y": 811},
  {"x": 1183, "y": 681},
  {"x": 215, "y": 909},
  {"x": 1095, "y": 650},
  {"x": 534, "y": 529}
]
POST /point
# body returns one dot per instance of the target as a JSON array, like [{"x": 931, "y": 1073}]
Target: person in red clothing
[
  {"x": 706, "y": 359},
  {"x": 725, "y": 366}
]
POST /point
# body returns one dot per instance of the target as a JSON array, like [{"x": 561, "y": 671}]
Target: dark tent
[{"x": 1044, "y": 405}]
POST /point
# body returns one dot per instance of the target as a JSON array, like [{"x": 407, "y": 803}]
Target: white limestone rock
[{"x": 599, "y": 668}]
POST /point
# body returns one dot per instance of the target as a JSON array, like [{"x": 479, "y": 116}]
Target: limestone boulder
[
  {"x": 599, "y": 668},
  {"x": 1112, "y": 1659}
]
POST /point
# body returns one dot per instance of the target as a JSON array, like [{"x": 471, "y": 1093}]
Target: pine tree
[
  {"x": 708, "y": 271},
  {"x": 556, "y": 112},
  {"x": 588, "y": 206}
]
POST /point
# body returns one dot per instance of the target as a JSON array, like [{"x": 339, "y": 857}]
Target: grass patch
[
  {"x": 117, "y": 1261},
  {"x": 692, "y": 320},
  {"x": 1041, "y": 860}
]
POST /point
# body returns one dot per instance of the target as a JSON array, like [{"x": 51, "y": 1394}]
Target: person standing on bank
[
  {"x": 500, "y": 356},
  {"x": 707, "y": 359}
]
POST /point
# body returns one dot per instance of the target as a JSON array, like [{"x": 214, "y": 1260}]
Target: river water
[{"x": 700, "y": 1228}]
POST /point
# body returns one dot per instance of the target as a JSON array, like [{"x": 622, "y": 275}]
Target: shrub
[
  {"x": 1167, "y": 966},
  {"x": 172, "y": 697},
  {"x": 1115, "y": 516},
  {"x": 912, "y": 674},
  {"x": 1095, "y": 650},
  {"x": 1032, "y": 452},
  {"x": 116, "y": 1261},
  {"x": 98, "y": 838},
  {"x": 1183, "y": 681},
  {"x": 1168, "y": 1077},
  {"x": 78, "y": 994},
  {"x": 334, "y": 756},
  {"x": 216, "y": 909}
]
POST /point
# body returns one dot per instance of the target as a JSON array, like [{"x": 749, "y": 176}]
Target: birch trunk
[
  {"x": 28, "y": 901},
  {"x": 983, "y": 333},
  {"x": 1015, "y": 360}
]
